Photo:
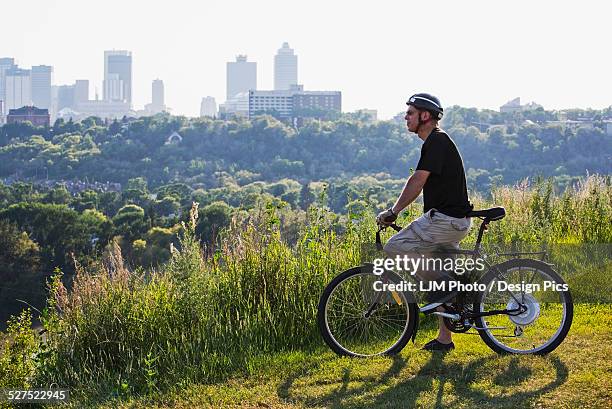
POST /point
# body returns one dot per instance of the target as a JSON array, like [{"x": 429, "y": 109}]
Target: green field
[{"x": 576, "y": 375}]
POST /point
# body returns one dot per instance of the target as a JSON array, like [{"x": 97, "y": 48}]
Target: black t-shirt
[{"x": 445, "y": 189}]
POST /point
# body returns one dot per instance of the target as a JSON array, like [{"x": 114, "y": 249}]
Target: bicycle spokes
[
  {"x": 537, "y": 312},
  {"x": 364, "y": 321}
]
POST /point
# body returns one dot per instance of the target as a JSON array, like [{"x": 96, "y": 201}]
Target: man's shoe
[{"x": 435, "y": 345}]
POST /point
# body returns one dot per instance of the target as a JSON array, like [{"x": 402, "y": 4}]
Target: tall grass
[
  {"x": 580, "y": 214},
  {"x": 200, "y": 317}
]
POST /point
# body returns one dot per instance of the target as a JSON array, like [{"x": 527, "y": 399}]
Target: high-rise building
[
  {"x": 157, "y": 96},
  {"x": 285, "y": 68},
  {"x": 157, "y": 104},
  {"x": 41, "y": 86},
  {"x": 208, "y": 107},
  {"x": 5, "y": 65},
  {"x": 118, "y": 76},
  {"x": 114, "y": 88},
  {"x": 81, "y": 91},
  {"x": 241, "y": 76},
  {"x": 65, "y": 97},
  {"x": 18, "y": 91}
]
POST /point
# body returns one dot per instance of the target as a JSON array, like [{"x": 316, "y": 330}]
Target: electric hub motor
[{"x": 527, "y": 317}]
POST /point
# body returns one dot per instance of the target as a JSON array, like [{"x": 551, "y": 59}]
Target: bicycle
[{"x": 356, "y": 320}]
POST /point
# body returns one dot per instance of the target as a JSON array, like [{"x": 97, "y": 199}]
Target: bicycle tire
[
  {"x": 511, "y": 266},
  {"x": 323, "y": 319}
]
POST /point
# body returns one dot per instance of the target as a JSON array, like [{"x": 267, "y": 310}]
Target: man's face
[{"x": 412, "y": 118}]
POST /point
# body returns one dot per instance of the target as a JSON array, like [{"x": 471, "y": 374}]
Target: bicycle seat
[{"x": 494, "y": 213}]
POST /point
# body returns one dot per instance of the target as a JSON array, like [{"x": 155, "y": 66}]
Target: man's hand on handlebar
[{"x": 386, "y": 217}]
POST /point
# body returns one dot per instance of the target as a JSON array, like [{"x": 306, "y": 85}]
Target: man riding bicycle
[{"x": 441, "y": 177}]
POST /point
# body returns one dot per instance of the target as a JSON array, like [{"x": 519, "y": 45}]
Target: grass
[
  {"x": 577, "y": 374},
  {"x": 238, "y": 327}
]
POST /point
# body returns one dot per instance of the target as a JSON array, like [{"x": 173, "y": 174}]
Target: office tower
[
  {"x": 18, "y": 91},
  {"x": 285, "y": 68},
  {"x": 81, "y": 91},
  {"x": 41, "y": 86},
  {"x": 118, "y": 76},
  {"x": 114, "y": 90},
  {"x": 157, "y": 96},
  {"x": 157, "y": 104},
  {"x": 5, "y": 65},
  {"x": 208, "y": 107},
  {"x": 241, "y": 76},
  {"x": 65, "y": 97}
]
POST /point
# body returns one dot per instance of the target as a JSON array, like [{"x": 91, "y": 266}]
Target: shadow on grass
[
  {"x": 431, "y": 379},
  {"x": 335, "y": 399}
]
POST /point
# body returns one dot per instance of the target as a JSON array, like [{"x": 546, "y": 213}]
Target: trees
[
  {"x": 19, "y": 255},
  {"x": 211, "y": 218},
  {"x": 130, "y": 222},
  {"x": 58, "y": 195},
  {"x": 58, "y": 230},
  {"x": 219, "y": 159}
]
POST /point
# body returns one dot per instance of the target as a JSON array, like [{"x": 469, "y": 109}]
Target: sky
[{"x": 477, "y": 53}]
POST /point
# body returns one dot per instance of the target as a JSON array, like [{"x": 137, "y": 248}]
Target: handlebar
[{"x": 382, "y": 227}]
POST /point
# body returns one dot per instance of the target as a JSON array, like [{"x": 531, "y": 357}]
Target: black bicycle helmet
[{"x": 427, "y": 102}]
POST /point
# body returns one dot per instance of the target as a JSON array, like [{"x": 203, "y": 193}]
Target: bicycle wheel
[
  {"x": 541, "y": 299},
  {"x": 356, "y": 320}
]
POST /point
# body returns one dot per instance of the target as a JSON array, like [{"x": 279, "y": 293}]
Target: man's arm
[{"x": 412, "y": 190}]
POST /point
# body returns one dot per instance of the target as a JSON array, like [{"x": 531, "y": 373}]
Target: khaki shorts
[{"x": 428, "y": 234}]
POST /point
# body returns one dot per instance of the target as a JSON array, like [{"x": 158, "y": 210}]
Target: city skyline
[{"x": 488, "y": 53}]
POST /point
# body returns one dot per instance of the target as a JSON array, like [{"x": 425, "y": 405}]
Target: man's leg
[
  {"x": 445, "y": 336},
  {"x": 408, "y": 242}
]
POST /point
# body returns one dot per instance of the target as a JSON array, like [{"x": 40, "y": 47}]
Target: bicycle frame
[{"x": 475, "y": 253}]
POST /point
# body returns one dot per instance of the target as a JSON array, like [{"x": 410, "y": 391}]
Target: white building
[
  {"x": 114, "y": 88},
  {"x": 5, "y": 65},
  {"x": 511, "y": 106},
  {"x": 515, "y": 106},
  {"x": 294, "y": 102},
  {"x": 238, "y": 105},
  {"x": 208, "y": 107},
  {"x": 118, "y": 76},
  {"x": 280, "y": 102},
  {"x": 241, "y": 76},
  {"x": 42, "y": 76},
  {"x": 18, "y": 88},
  {"x": 174, "y": 138},
  {"x": 285, "y": 68},
  {"x": 158, "y": 96},
  {"x": 103, "y": 109},
  {"x": 157, "y": 104}
]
